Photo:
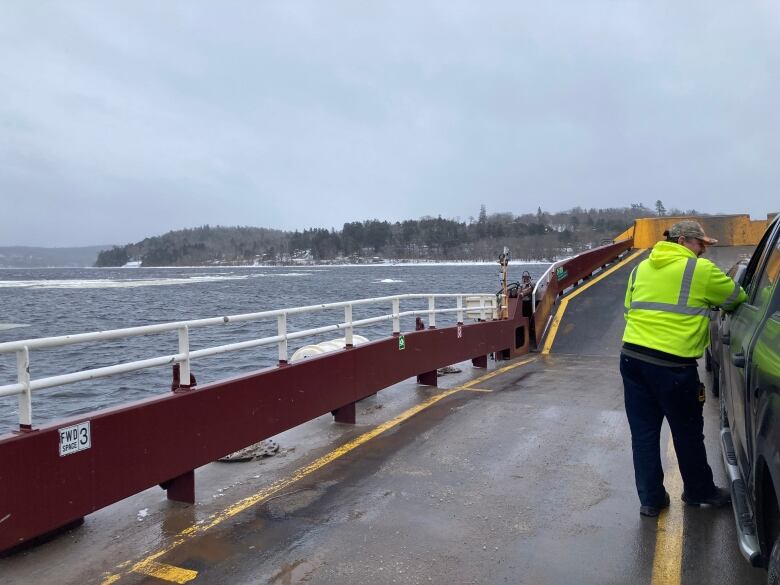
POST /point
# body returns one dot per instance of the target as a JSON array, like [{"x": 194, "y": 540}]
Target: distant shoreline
[{"x": 286, "y": 266}]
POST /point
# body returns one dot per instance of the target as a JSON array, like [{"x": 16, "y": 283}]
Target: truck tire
[{"x": 773, "y": 567}]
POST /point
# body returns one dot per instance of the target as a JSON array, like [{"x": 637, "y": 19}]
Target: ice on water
[{"x": 132, "y": 282}]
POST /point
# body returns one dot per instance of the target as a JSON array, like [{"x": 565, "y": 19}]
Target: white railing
[
  {"x": 544, "y": 280},
  {"x": 24, "y": 386}
]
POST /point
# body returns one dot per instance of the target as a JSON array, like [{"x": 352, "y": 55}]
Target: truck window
[
  {"x": 768, "y": 278},
  {"x": 752, "y": 274}
]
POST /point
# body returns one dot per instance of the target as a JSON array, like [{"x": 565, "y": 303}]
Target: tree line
[{"x": 532, "y": 236}]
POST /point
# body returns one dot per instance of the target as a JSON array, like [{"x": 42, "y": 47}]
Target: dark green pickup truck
[{"x": 749, "y": 376}]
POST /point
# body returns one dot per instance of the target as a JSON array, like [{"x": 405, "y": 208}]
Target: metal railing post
[
  {"x": 431, "y": 314},
  {"x": 25, "y": 398},
  {"x": 184, "y": 347},
  {"x": 348, "y": 321},
  {"x": 396, "y": 318},
  {"x": 481, "y": 308},
  {"x": 460, "y": 310},
  {"x": 281, "y": 330}
]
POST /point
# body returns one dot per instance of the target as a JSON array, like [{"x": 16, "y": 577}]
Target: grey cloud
[{"x": 122, "y": 121}]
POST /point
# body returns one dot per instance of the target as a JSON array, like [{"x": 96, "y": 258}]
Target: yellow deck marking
[
  {"x": 495, "y": 373},
  {"x": 148, "y": 564},
  {"x": 474, "y": 389},
  {"x": 565, "y": 301},
  {"x": 667, "y": 561},
  {"x": 168, "y": 572}
]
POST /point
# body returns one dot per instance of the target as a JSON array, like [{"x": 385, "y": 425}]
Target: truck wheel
[
  {"x": 773, "y": 568},
  {"x": 708, "y": 360}
]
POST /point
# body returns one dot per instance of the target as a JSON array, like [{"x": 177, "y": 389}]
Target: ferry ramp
[{"x": 518, "y": 474}]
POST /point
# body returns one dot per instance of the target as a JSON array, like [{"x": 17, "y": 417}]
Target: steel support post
[
  {"x": 281, "y": 330},
  {"x": 479, "y": 361},
  {"x": 181, "y": 488},
  {"x": 345, "y": 414},
  {"x": 348, "y": 320},
  {"x": 25, "y": 398},
  {"x": 176, "y": 386},
  {"x": 428, "y": 378},
  {"x": 184, "y": 348}
]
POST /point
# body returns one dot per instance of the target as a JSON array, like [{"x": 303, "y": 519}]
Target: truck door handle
[{"x": 738, "y": 359}]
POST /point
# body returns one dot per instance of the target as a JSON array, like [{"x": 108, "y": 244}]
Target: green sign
[
  {"x": 560, "y": 272},
  {"x": 401, "y": 343}
]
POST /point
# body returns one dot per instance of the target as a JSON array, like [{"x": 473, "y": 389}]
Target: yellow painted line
[
  {"x": 495, "y": 373},
  {"x": 168, "y": 572},
  {"x": 148, "y": 564},
  {"x": 667, "y": 561},
  {"x": 548, "y": 342},
  {"x": 475, "y": 389}
]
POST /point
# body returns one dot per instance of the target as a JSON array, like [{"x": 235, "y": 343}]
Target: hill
[{"x": 539, "y": 236}]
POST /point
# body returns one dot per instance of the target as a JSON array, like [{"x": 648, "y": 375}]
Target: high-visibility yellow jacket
[{"x": 669, "y": 298}]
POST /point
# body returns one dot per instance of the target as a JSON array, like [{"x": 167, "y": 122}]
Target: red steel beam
[
  {"x": 162, "y": 440},
  {"x": 583, "y": 265}
]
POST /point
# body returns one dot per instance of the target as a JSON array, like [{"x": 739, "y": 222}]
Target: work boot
[
  {"x": 653, "y": 511},
  {"x": 719, "y": 498}
]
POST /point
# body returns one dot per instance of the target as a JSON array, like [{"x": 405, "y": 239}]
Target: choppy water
[{"x": 48, "y": 302}]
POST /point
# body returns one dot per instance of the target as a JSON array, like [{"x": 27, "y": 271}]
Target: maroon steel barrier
[
  {"x": 583, "y": 265},
  {"x": 571, "y": 272},
  {"x": 162, "y": 440}
]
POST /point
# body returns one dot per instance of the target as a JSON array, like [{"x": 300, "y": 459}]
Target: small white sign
[
  {"x": 460, "y": 332},
  {"x": 74, "y": 439}
]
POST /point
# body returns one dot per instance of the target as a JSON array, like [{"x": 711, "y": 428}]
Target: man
[{"x": 667, "y": 308}]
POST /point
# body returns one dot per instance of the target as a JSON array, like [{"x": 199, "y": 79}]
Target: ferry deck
[{"x": 520, "y": 473}]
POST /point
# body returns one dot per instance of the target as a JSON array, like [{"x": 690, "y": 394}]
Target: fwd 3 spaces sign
[{"x": 74, "y": 439}]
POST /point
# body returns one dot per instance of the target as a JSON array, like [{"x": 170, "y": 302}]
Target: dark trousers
[{"x": 651, "y": 393}]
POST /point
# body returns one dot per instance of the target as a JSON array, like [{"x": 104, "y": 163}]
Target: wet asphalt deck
[{"x": 530, "y": 482}]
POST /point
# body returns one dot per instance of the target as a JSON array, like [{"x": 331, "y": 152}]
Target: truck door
[
  {"x": 763, "y": 368},
  {"x": 738, "y": 332}
]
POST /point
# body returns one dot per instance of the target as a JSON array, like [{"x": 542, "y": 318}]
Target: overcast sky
[{"x": 121, "y": 120}]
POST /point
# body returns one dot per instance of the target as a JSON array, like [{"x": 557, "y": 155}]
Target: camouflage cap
[{"x": 690, "y": 229}]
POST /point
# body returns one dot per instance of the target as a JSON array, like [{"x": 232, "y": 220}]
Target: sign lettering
[{"x": 74, "y": 439}]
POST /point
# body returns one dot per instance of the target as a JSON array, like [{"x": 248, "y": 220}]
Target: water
[{"x": 49, "y": 302}]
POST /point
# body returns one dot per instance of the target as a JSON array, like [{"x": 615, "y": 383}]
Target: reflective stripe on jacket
[{"x": 669, "y": 297}]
